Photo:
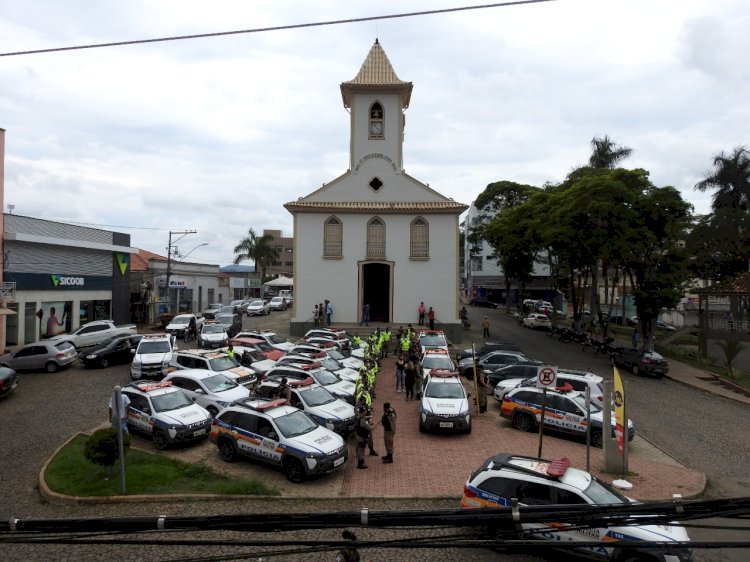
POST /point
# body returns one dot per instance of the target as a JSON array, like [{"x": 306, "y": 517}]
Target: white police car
[
  {"x": 533, "y": 481},
  {"x": 436, "y": 359},
  {"x": 166, "y": 413},
  {"x": 322, "y": 359},
  {"x": 278, "y": 434},
  {"x": 333, "y": 384},
  {"x": 333, "y": 352},
  {"x": 213, "y": 391},
  {"x": 579, "y": 380},
  {"x": 213, "y": 334},
  {"x": 216, "y": 361},
  {"x": 329, "y": 411},
  {"x": 152, "y": 357},
  {"x": 271, "y": 338},
  {"x": 444, "y": 404}
]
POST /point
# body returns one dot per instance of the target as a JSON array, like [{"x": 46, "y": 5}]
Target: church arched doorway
[{"x": 376, "y": 290}]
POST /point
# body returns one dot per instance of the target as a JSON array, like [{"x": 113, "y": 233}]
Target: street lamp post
[{"x": 169, "y": 260}]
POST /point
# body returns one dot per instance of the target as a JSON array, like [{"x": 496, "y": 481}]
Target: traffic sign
[{"x": 546, "y": 376}]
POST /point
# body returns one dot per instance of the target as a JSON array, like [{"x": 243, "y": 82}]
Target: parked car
[
  {"x": 493, "y": 360},
  {"x": 257, "y": 307},
  {"x": 213, "y": 391},
  {"x": 340, "y": 388},
  {"x": 484, "y": 349},
  {"x": 212, "y": 309},
  {"x": 641, "y": 361},
  {"x": 278, "y": 303},
  {"x": 114, "y": 351},
  {"x": 269, "y": 337},
  {"x": 94, "y": 333},
  {"x": 152, "y": 356},
  {"x": 232, "y": 322},
  {"x": 506, "y": 478},
  {"x": 521, "y": 370},
  {"x": 432, "y": 339},
  {"x": 444, "y": 404},
  {"x": 482, "y": 301},
  {"x": 537, "y": 320},
  {"x": 213, "y": 334},
  {"x": 276, "y": 433},
  {"x": 287, "y": 294},
  {"x": 216, "y": 361},
  {"x": 50, "y": 355},
  {"x": 577, "y": 380},
  {"x": 8, "y": 381},
  {"x": 241, "y": 343},
  {"x": 179, "y": 324}
]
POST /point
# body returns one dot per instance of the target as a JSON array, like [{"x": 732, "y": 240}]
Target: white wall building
[{"x": 375, "y": 234}]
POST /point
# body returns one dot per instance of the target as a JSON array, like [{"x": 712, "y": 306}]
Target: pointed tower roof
[{"x": 376, "y": 73}]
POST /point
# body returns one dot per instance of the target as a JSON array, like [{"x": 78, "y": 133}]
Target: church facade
[{"x": 376, "y": 235}]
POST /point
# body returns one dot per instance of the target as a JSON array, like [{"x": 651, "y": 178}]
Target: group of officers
[{"x": 376, "y": 347}]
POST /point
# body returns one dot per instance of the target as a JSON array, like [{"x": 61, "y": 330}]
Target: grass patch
[
  {"x": 146, "y": 473},
  {"x": 691, "y": 356}
]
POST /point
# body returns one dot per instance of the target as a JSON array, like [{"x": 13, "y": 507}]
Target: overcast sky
[{"x": 215, "y": 134}]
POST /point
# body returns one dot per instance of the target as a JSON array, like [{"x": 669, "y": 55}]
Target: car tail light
[
  {"x": 600, "y": 398},
  {"x": 59, "y": 356},
  {"x": 469, "y": 493}
]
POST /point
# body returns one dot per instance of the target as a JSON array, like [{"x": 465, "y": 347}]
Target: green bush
[{"x": 102, "y": 447}]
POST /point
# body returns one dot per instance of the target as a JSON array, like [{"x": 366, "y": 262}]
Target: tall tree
[
  {"x": 731, "y": 179},
  {"x": 258, "y": 249},
  {"x": 605, "y": 154}
]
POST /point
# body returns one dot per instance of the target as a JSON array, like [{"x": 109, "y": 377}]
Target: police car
[
  {"x": 151, "y": 359},
  {"x": 216, "y": 361},
  {"x": 279, "y": 434},
  {"x": 579, "y": 380},
  {"x": 444, "y": 404},
  {"x": 533, "y": 481},
  {"x": 432, "y": 339},
  {"x": 322, "y": 358},
  {"x": 213, "y": 391},
  {"x": 351, "y": 363},
  {"x": 564, "y": 411},
  {"x": 329, "y": 411},
  {"x": 271, "y": 338},
  {"x": 436, "y": 359},
  {"x": 164, "y": 412},
  {"x": 332, "y": 383},
  {"x": 213, "y": 334}
]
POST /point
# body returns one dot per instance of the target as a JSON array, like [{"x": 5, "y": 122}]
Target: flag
[{"x": 620, "y": 421}]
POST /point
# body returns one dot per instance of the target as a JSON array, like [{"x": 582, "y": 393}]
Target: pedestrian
[
  {"x": 634, "y": 337},
  {"x": 284, "y": 390},
  {"x": 485, "y": 327},
  {"x": 418, "y": 378},
  {"x": 348, "y": 553},
  {"x": 388, "y": 421},
  {"x": 365, "y": 315},
  {"x": 363, "y": 433},
  {"x": 400, "y": 364},
  {"x": 431, "y": 318},
  {"x": 230, "y": 351},
  {"x": 730, "y": 320},
  {"x": 410, "y": 373},
  {"x": 122, "y": 420},
  {"x": 329, "y": 312},
  {"x": 421, "y": 311},
  {"x": 316, "y": 317},
  {"x": 481, "y": 389}
]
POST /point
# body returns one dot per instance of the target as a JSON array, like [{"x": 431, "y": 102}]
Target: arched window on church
[
  {"x": 376, "y": 125},
  {"x": 375, "y": 238},
  {"x": 332, "y": 238},
  {"x": 420, "y": 238}
]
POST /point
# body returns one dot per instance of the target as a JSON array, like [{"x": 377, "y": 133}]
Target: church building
[{"x": 376, "y": 235}]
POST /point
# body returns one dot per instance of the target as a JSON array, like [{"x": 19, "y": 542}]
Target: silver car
[{"x": 47, "y": 354}]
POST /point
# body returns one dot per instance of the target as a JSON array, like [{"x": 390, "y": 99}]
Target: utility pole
[{"x": 169, "y": 261}]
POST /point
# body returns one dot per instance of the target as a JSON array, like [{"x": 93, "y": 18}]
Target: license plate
[
  {"x": 199, "y": 432},
  {"x": 446, "y": 424},
  {"x": 339, "y": 461}
]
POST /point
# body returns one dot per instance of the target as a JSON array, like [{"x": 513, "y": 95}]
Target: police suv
[
  {"x": 213, "y": 334},
  {"x": 333, "y": 384},
  {"x": 216, "y": 361},
  {"x": 321, "y": 358},
  {"x": 213, "y": 391},
  {"x": 278, "y": 434},
  {"x": 436, "y": 359},
  {"x": 330, "y": 412},
  {"x": 152, "y": 356},
  {"x": 165, "y": 413},
  {"x": 564, "y": 411},
  {"x": 504, "y": 478},
  {"x": 579, "y": 380},
  {"x": 269, "y": 337},
  {"x": 444, "y": 403}
]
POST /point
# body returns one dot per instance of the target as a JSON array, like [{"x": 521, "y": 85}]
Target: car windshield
[
  {"x": 213, "y": 329},
  {"x": 180, "y": 320},
  {"x": 435, "y": 340},
  {"x": 336, "y": 354},
  {"x": 223, "y": 363},
  {"x": 161, "y": 346},
  {"x": 444, "y": 390},
  {"x": 218, "y": 383},
  {"x": 325, "y": 377},
  {"x": 276, "y": 299},
  {"x": 258, "y": 303},
  {"x": 435, "y": 361},
  {"x": 295, "y": 424},
  {"x": 225, "y": 319},
  {"x": 316, "y": 396},
  {"x": 330, "y": 364},
  {"x": 263, "y": 346},
  {"x": 601, "y": 493},
  {"x": 580, "y": 400},
  {"x": 170, "y": 401},
  {"x": 276, "y": 339}
]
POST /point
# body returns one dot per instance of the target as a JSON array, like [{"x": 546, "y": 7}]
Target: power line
[{"x": 274, "y": 28}]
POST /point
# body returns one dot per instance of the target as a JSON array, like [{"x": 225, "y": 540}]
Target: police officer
[
  {"x": 363, "y": 432},
  {"x": 284, "y": 391},
  {"x": 230, "y": 351},
  {"x": 388, "y": 421}
]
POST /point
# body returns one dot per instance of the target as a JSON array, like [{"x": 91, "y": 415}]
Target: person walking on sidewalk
[
  {"x": 485, "y": 327},
  {"x": 388, "y": 421}
]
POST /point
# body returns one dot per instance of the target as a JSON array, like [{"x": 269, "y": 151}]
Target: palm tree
[
  {"x": 731, "y": 178},
  {"x": 605, "y": 154},
  {"x": 258, "y": 249}
]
